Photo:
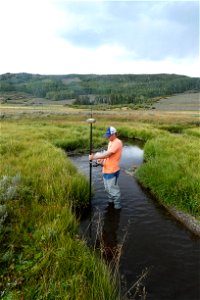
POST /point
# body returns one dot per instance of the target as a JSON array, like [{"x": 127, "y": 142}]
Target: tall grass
[
  {"x": 140, "y": 131},
  {"x": 172, "y": 172},
  {"x": 42, "y": 256},
  {"x": 193, "y": 132}
]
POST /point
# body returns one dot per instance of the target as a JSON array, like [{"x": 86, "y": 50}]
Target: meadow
[{"x": 42, "y": 255}]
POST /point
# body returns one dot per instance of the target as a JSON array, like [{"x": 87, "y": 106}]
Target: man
[{"x": 110, "y": 161}]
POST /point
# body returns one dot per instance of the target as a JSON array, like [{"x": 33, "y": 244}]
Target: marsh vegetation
[{"x": 42, "y": 255}]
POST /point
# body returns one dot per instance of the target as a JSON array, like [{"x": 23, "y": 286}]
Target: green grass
[
  {"x": 42, "y": 256},
  {"x": 171, "y": 171},
  {"x": 172, "y": 161},
  {"x": 193, "y": 132},
  {"x": 140, "y": 131}
]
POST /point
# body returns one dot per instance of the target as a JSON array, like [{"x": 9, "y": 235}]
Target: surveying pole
[{"x": 90, "y": 121}]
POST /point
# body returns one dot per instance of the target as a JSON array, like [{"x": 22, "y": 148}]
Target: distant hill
[{"x": 98, "y": 89}]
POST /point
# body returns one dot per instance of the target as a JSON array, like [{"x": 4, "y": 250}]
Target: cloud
[
  {"x": 154, "y": 30},
  {"x": 61, "y": 37}
]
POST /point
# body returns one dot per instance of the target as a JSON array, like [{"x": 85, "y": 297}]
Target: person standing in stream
[{"x": 110, "y": 161}]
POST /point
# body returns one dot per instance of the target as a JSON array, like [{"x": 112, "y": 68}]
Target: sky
[{"x": 99, "y": 37}]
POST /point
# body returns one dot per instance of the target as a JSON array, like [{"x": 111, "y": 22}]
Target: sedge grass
[
  {"x": 42, "y": 255},
  {"x": 193, "y": 132},
  {"x": 172, "y": 172}
]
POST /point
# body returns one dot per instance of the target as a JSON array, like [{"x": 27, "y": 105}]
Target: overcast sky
[{"x": 101, "y": 37}]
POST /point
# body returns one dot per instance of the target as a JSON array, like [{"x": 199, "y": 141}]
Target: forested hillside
[{"x": 97, "y": 89}]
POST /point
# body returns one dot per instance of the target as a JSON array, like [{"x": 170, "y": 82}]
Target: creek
[{"x": 155, "y": 250}]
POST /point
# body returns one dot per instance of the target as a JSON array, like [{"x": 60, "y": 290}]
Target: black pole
[
  {"x": 90, "y": 194},
  {"x": 90, "y": 121}
]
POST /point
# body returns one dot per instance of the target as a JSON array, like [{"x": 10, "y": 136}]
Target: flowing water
[{"x": 153, "y": 242}]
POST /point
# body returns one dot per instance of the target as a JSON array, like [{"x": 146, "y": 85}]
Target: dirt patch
[
  {"x": 179, "y": 102},
  {"x": 24, "y": 99},
  {"x": 70, "y": 80}
]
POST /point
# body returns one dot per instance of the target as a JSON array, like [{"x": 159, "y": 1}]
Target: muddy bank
[{"x": 189, "y": 221}]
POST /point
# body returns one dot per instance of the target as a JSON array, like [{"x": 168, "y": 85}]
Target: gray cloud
[{"x": 151, "y": 30}]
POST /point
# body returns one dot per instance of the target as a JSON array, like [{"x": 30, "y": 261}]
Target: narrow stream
[{"x": 153, "y": 242}]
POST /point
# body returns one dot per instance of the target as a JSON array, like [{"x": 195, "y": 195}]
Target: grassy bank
[
  {"x": 172, "y": 161},
  {"x": 42, "y": 256},
  {"x": 171, "y": 171}
]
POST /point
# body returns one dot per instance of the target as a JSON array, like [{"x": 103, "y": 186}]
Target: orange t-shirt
[{"x": 111, "y": 164}]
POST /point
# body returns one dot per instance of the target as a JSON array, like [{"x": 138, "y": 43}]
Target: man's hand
[
  {"x": 91, "y": 156},
  {"x": 100, "y": 161}
]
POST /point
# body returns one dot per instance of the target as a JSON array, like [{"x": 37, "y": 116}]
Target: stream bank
[
  {"x": 150, "y": 239},
  {"x": 186, "y": 219}
]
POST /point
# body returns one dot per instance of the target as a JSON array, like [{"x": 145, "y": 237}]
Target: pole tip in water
[{"x": 91, "y": 120}]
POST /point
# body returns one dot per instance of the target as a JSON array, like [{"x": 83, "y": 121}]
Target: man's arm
[{"x": 100, "y": 156}]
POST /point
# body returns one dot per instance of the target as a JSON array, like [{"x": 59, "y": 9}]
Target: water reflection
[
  {"x": 131, "y": 156},
  {"x": 109, "y": 233}
]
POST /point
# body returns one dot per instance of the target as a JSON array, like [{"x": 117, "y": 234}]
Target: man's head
[{"x": 110, "y": 133}]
